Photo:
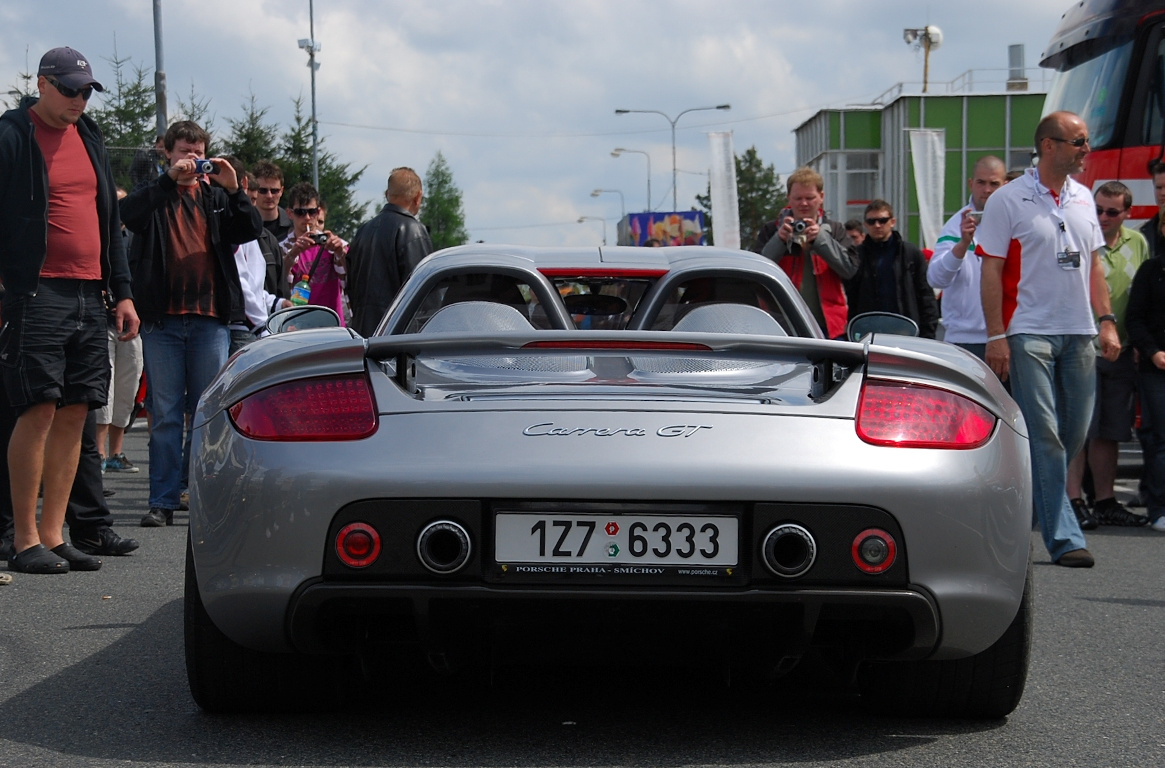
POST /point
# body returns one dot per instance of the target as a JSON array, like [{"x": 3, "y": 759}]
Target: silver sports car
[{"x": 636, "y": 453}]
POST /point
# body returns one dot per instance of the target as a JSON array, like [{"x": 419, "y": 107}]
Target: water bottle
[{"x": 300, "y": 292}]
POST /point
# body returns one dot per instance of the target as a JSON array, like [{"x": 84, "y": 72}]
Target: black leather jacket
[
  {"x": 230, "y": 220},
  {"x": 915, "y": 296},
  {"x": 381, "y": 257},
  {"x": 24, "y": 205}
]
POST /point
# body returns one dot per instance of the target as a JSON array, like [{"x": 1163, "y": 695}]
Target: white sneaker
[{"x": 1158, "y": 524}]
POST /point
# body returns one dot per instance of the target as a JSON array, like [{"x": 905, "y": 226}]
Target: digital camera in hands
[
  {"x": 799, "y": 238},
  {"x": 202, "y": 165},
  {"x": 319, "y": 238}
]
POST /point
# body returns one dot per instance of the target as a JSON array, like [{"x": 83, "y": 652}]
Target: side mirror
[
  {"x": 880, "y": 322},
  {"x": 302, "y": 317}
]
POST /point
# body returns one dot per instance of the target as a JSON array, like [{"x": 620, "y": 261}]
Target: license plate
[{"x": 622, "y": 539}]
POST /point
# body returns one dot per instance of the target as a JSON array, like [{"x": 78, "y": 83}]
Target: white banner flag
[
  {"x": 927, "y": 152},
  {"x": 725, "y": 209}
]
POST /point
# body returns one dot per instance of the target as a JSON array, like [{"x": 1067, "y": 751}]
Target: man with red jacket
[{"x": 815, "y": 252}]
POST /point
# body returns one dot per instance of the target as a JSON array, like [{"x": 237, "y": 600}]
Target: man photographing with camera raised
[
  {"x": 313, "y": 255},
  {"x": 185, "y": 275},
  {"x": 816, "y": 253}
]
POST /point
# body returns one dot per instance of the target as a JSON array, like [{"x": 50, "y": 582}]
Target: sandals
[
  {"x": 37, "y": 559},
  {"x": 78, "y": 560}
]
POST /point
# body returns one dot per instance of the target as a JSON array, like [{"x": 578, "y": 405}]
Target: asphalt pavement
[{"x": 92, "y": 674}]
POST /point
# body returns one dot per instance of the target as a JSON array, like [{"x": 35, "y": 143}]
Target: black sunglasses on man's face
[{"x": 71, "y": 93}]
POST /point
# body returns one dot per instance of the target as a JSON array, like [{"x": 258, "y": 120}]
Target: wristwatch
[{"x": 1102, "y": 318}]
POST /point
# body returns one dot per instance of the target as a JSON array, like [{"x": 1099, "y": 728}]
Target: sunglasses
[
  {"x": 1074, "y": 142},
  {"x": 1113, "y": 212},
  {"x": 305, "y": 211},
  {"x": 879, "y": 220},
  {"x": 71, "y": 93},
  {"x": 269, "y": 190}
]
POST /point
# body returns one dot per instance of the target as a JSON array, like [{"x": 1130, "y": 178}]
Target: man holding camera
[
  {"x": 184, "y": 273},
  {"x": 958, "y": 276},
  {"x": 815, "y": 253},
  {"x": 313, "y": 254}
]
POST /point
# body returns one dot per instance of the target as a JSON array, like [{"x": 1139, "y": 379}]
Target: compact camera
[
  {"x": 799, "y": 239},
  {"x": 319, "y": 238},
  {"x": 202, "y": 165}
]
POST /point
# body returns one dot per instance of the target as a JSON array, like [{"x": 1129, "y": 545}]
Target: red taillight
[
  {"x": 358, "y": 545},
  {"x": 328, "y": 408},
  {"x": 914, "y": 416},
  {"x": 874, "y": 550}
]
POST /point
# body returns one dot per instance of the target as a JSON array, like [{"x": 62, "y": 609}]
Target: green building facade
[{"x": 863, "y": 152}]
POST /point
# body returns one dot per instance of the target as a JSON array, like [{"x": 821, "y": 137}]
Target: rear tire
[
  {"x": 987, "y": 685},
  {"x": 226, "y": 677}
]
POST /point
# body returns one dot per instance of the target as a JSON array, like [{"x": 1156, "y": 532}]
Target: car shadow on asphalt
[{"x": 130, "y": 701}]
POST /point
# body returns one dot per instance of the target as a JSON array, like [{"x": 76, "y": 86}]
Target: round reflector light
[
  {"x": 874, "y": 550},
  {"x": 358, "y": 545}
]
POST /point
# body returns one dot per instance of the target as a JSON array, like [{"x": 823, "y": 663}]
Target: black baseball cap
[{"x": 69, "y": 67}]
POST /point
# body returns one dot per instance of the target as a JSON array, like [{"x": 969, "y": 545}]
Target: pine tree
[
  {"x": 251, "y": 139},
  {"x": 441, "y": 209},
  {"x": 127, "y": 115},
  {"x": 759, "y": 192},
  {"x": 128, "y": 120},
  {"x": 197, "y": 110},
  {"x": 336, "y": 179}
]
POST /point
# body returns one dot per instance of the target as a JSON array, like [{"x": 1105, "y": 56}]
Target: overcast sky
[{"x": 520, "y": 95}]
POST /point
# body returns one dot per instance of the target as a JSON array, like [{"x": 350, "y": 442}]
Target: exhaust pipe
[
  {"x": 789, "y": 550},
  {"x": 444, "y": 547}
]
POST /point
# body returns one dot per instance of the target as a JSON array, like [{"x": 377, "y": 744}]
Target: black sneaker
[
  {"x": 158, "y": 518},
  {"x": 1083, "y": 515},
  {"x": 103, "y": 541},
  {"x": 1112, "y": 512}
]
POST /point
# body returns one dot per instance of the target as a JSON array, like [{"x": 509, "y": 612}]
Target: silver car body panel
[{"x": 261, "y": 510}]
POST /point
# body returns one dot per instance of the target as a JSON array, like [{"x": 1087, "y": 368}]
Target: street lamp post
[
  {"x": 673, "y": 121},
  {"x": 619, "y": 150},
  {"x": 581, "y": 219},
  {"x": 310, "y": 45},
  {"x": 622, "y": 204}
]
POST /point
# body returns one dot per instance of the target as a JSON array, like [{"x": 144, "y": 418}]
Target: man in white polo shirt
[{"x": 1039, "y": 240}]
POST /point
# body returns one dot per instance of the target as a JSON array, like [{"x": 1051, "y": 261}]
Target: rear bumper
[{"x": 326, "y": 617}]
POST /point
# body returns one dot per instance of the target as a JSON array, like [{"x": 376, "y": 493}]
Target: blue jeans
[
  {"x": 183, "y": 353},
  {"x": 1053, "y": 380},
  {"x": 1152, "y": 434}
]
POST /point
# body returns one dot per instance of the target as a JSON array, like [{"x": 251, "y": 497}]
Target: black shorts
[{"x": 53, "y": 345}]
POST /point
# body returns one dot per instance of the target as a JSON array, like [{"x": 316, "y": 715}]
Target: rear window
[
  {"x": 706, "y": 291},
  {"x": 602, "y": 303}
]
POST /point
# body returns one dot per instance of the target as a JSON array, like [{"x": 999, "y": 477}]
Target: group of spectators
[
  {"x": 1037, "y": 277},
  {"x": 183, "y": 271},
  {"x": 846, "y": 270}
]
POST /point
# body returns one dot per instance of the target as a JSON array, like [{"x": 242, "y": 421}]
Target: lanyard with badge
[{"x": 1066, "y": 258}]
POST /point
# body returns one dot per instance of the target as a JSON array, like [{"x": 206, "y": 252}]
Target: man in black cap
[{"x": 61, "y": 254}]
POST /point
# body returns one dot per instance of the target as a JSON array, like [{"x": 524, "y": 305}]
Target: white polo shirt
[{"x": 1025, "y": 224}]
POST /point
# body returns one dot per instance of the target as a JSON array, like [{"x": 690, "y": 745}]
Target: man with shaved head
[
  {"x": 1042, "y": 280},
  {"x": 385, "y": 251},
  {"x": 957, "y": 275}
]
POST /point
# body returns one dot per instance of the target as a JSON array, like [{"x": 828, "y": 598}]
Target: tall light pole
[
  {"x": 310, "y": 45},
  {"x": 622, "y": 204},
  {"x": 619, "y": 150},
  {"x": 581, "y": 219},
  {"x": 159, "y": 74},
  {"x": 673, "y": 121}
]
